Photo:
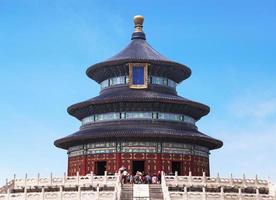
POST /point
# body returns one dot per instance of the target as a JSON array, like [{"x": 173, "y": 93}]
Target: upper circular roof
[{"x": 138, "y": 51}]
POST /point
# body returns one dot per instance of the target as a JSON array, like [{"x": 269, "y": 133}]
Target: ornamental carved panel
[
  {"x": 126, "y": 164},
  {"x": 177, "y": 157},
  {"x": 112, "y": 166},
  {"x": 167, "y": 156},
  {"x": 150, "y": 166},
  {"x": 100, "y": 156},
  {"x": 166, "y": 166},
  {"x": 111, "y": 156},
  {"x": 91, "y": 156},
  {"x": 151, "y": 156},
  {"x": 126, "y": 156},
  {"x": 139, "y": 156}
]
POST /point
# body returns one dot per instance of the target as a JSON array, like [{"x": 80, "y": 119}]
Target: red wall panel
[{"x": 153, "y": 163}]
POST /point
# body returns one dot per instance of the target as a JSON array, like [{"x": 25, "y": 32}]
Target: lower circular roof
[{"x": 139, "y": 129}]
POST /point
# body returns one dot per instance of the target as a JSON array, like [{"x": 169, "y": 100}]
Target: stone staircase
[
  {"x": 155, "y": 192},
  {"x": 127, "y": 192},
  {"x": 9, "y": 185}
]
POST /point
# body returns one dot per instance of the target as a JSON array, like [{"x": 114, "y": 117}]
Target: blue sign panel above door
[{"x": 138, "y": 75}]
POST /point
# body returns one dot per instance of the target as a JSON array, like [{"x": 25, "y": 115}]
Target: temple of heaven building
[{"x": 138, "y": 121}]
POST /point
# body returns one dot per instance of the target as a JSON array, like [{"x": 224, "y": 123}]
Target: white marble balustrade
[
  {"x": 81, "y": 195},
  {"x": 63, "y": 188},
  {"x": 219, "y": 186},
  {"x": 89, "y": 179},
  {"x": 217, "y": 196},
  {"x": 215, "y": 181}
]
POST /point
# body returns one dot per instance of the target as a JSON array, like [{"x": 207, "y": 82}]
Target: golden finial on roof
[{"x": 138, "y": 21}]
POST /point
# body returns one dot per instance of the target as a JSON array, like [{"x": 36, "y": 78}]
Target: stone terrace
[{"x": 107, "y": 187}]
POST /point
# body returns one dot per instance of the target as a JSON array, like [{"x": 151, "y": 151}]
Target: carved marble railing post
[
  {"x": 119, "y": 178},
  {"x": 256, "y": 180},
  {"x": 42, "y": 193},
  {"x": 51, "y": 179},
  {"x": 25, "y": 181},
  {"x": 165, "y": 190},
  {"x": 7, "y": 184},
  {"x": 204, "y": 178},
  {"x": 221, "y": 193},
  {"x": 78, "y": 177},
  {"x": 37, "y": 179},
  {"x": 64, "y": 178},
  {"x": 14, "y": 178},
  {"x": 244, "y": 183},
  {"x": 117, "y": 186},
  {"x": 79, "y": 192},
  {"x": 218, "y": 179},
  {"x": 240, "y": 194},
  {"x": 204, "y": 193},
  {"x": 190, "y": 179},
  {"x": 176, "y": 178},
  {"x": 231, "y": 180},
  {"x": 8, "y": 194},
  {"x": 91, "y": 178},
  {"x": 257, "y": 194},
  {"x": 105, "y": 178},
  {"x": 272, "y": 190},
  {"x": 98, "y": 192},
  {"x": 25, "y": 193},
  {"x": 60, "y": 192},
  {"x": 185, "y": 196},
  {"x": 115, "y": 189}
]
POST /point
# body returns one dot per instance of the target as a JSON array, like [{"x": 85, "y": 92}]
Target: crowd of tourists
[{"x": 139, "y": 177}]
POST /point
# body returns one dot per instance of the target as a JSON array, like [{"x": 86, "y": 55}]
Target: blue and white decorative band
[{"x": 137, "y": 115}]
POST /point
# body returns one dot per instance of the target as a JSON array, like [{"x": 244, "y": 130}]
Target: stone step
[
  {"x": 127, "y": 192},
  {"x": 155, "y": 192}
]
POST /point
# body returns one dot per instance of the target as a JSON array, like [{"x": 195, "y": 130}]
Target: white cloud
[
  {"x": 249, "y": 135},
  {"x": 259, "y": 105},
  {"x": 250, "y": 151}
]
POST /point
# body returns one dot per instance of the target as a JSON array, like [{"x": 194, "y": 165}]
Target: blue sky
[{"x": 46, "y": 46}]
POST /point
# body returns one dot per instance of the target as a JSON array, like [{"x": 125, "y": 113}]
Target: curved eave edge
[
  {"x": 66, "y": 142},
  {"x": 91, "y": 69},
  {"x": 73, "y": 108}
]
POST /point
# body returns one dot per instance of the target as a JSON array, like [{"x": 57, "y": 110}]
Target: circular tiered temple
[{"x": 138, "y": 121}]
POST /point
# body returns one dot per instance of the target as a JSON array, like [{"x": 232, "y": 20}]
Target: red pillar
[
  {"x": 208, "y": 167},
  {"x": 84, "y": 164},
  {"x": 159, "y": 162},
  {"x": 118, "y": 161},
  {"x": 68, "y": 167}
]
